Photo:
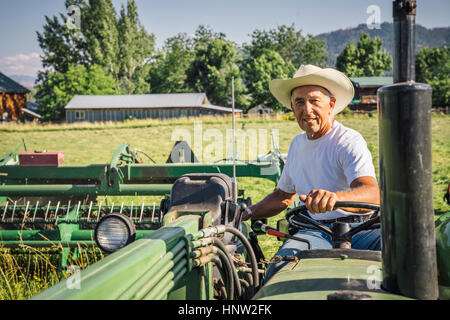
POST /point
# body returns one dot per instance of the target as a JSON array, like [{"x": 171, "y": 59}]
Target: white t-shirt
[{"x": 331, "y": 163}]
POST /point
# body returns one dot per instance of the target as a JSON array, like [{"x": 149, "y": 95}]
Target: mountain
[
  {"x": 337, "y": 40},
  {"x": 26, "y": 81}
]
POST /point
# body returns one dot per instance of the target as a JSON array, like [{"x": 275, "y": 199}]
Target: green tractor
[{"x": 197, "y": 248}]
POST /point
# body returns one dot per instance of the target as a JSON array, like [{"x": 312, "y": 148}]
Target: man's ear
[{"x": 332, "y": 102}]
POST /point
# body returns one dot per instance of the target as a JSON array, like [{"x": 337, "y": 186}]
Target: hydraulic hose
[
  {"x": 230, "y": 278},
  {"x": 250, "y": 252},
  {"x": 221, "y": 246}
]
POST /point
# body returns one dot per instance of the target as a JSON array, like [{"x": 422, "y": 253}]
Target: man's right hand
[{"x": 319, "y": 201}]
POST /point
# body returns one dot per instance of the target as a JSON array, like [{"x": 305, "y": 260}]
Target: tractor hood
[{"x": 338, "y": 274}]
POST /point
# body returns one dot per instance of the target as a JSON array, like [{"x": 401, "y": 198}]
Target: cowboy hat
[{"x": 334, "y": 81}]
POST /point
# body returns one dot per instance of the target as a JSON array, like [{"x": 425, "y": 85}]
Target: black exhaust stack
[{"x": 407, "y": 220}]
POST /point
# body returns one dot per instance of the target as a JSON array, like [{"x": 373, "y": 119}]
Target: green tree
[
  {"x": 277, "y": 53},
  {"x": 168, "y": 70},
  {"x": 367, "y": 59},
  {"x": 213, "y": 67},
  {"x": 99, "y": 30},
  {"x": 433, "y": 67},
  {"x": 121, "y": 46},
  {"x": 136, "y": 47},
  {"x": 259, "y": 71},
  {"x": 290, "y": 44},
  {"x": 59, "y": 88}
]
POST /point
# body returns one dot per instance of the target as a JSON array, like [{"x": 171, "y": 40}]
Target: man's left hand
[{"x": 319, "y": 201}]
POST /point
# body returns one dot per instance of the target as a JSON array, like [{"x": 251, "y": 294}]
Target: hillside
[{"x": 337, "y": 40}]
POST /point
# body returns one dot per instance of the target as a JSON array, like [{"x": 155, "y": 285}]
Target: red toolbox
[{"x": 41, "y": 159}]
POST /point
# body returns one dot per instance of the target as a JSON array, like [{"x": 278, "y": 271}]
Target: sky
[{"x": 21, "y": 19}]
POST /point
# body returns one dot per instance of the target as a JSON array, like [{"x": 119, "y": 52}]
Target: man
[{"x": 325, "y": 164}]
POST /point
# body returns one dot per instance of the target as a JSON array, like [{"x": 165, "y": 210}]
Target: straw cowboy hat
[{"x": 307, "y": 75}]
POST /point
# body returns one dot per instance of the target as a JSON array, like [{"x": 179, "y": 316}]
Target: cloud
[{"x": 21, "y": 64}]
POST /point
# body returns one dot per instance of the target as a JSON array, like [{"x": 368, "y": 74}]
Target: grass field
[{"x": 93, "y": 143}]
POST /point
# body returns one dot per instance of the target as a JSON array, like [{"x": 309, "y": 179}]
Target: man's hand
[{"x": 319, "y": 201}]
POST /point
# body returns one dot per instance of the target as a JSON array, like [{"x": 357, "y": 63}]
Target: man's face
[{"x": 313, "y": 109}]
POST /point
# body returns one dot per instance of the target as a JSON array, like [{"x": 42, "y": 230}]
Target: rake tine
[
  {"x": 46, "y": 212},
  {"x": 131, "y": 210},
  {"x": 67, "y": 211},
  {"x": 14, "y": 210},
  {"x": 121, "y": 208},
  {"x": 153, "y": 213},
  {"x": 4, "y": 211},
  {"x": 112, "y": 208},
  {"x": 89, "y": 212},
  {"x": 78, "y": 210},
  {"x": 26, "y": 210},
  {"x": 57, "y": 208},
  {"x": 99, "y": 208},
  {"x": 35, "y": 210},
  {"x": 142, "y": 211}
]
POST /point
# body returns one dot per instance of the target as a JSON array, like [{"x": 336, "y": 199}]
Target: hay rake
[{"x": 53, "y": 205}]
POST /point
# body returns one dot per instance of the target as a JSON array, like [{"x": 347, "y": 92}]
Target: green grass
[{"x": 95, "y": 143}]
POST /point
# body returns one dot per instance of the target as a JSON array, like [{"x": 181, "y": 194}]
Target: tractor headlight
[{"x": 114, "y": 231}]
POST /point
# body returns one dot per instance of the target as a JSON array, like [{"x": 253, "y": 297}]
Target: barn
[
  {"x": 157, "y": 106},
  {"x": 13, "y": 99},
  {"x": 366, "y": 92}
]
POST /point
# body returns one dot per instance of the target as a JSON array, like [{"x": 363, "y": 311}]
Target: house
[
  {"x": 365, "y": 98},
  {"x": 157, "y": 106},
  {"x": 260, "y": 110},
  {"x": 13, "y": 99}
]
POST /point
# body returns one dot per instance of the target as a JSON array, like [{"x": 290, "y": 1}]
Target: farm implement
[{"x": 47, "y": 205}]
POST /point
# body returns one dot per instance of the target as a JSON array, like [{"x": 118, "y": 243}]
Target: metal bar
[
  {"x": 89, "y": 212},
  {"x": 69, "y": 189},
  {"x": 78, "y": 210},
  {"x": 164, "y": 282},
  {"x": 67, "y": 210},
  {"x": 35, "y": 210},
  {"x": 99, "y": 210},
  {"x": 4, "y": 211},
  {"x": 150, "y": 277},
  {"x": 46, "y": 212},
  {"x": 14, "y": 210}
]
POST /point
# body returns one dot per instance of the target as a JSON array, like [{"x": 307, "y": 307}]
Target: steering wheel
[{"x": 340, "y": 232}]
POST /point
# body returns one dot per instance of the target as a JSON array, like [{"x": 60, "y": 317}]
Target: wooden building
[
  {"x": 260, "y": 110},
  {"x": 13, "y": 99},
  {"x": 365, "y": 98},
  {"x": 156, "y": 106}
]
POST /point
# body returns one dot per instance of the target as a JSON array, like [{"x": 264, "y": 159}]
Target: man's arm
[
  {"x": 271, "y": 205},
  {"x": 363, "y": 189}
]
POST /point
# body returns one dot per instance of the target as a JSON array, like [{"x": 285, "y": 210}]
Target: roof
[
  {"x": 143, "y": 101},
  {"x": 10, "y": 86},
  {"x": 31, "y": 113},
  {"x": 373, "y": 81}
]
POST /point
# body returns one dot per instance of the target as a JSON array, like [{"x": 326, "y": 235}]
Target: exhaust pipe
[{"x": 407, "y": 219}]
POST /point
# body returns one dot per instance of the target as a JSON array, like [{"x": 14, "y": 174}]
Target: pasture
[{"x": 86, "y": 143}]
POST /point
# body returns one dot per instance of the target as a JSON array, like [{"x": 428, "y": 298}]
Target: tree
[
  {"x": 136, "y": 47},
  {"x": 277, "y": 53},
  {"x": 121, "y": 47},
  {"x": 59, "y": 88},
  {"x": 213, "y": 67},
  {"x": 168, "y": 70},
  {"x": 290, "y": 44},
  {"x": 433, "y": 67},
  {"x": 368, "y": 59},
  {"x": 259, "y": 71}
]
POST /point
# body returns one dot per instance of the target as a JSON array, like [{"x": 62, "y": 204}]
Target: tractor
[{"x": 193, "y": 246}]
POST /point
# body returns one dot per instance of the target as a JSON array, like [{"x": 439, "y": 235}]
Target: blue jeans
[{"x": 363, "y": 240}]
